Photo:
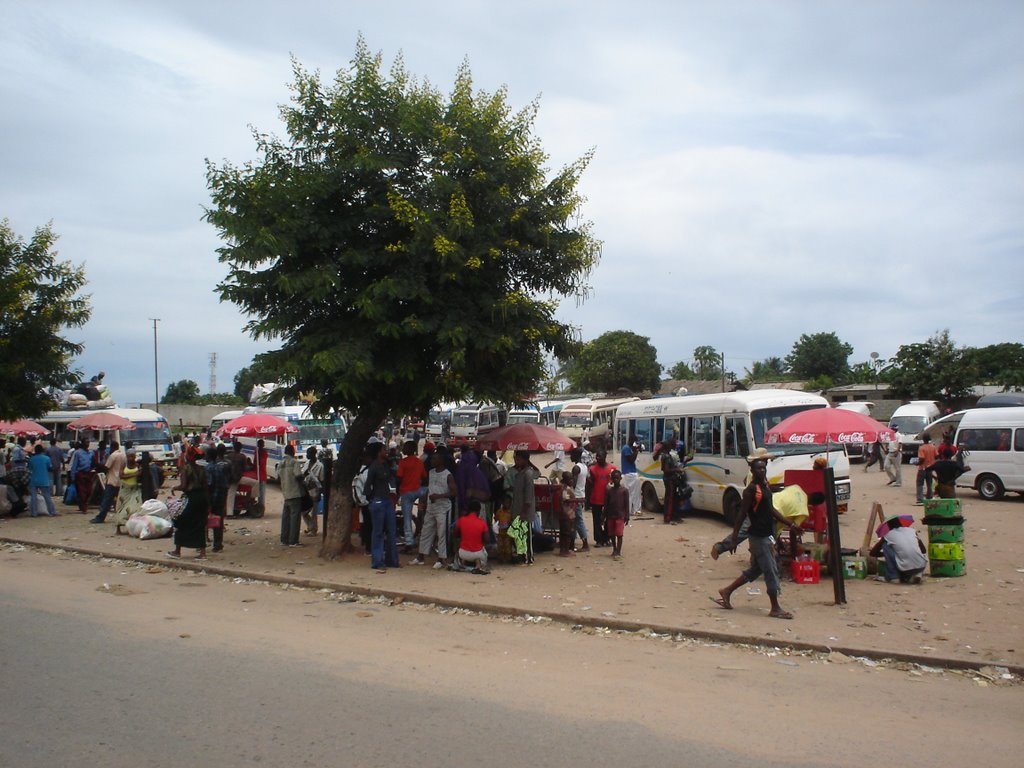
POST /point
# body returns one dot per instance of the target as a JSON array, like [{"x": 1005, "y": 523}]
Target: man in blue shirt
[
  {"x": 39, "y": 483},
  {"x": 630, "y": 476}
]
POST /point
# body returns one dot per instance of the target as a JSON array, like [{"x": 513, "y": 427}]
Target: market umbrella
[
  {"x": 828, "y": 425},
  {"x": 25, "y": 427},
  {"x": 101, "y": 421},
  {"x": 256, "y": 425},
  {"x": 525, "y": 437}
]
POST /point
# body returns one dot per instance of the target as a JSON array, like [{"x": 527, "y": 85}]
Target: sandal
[
  {"x": 721, "y": 603},
  {"x": 781, "y": 615}
]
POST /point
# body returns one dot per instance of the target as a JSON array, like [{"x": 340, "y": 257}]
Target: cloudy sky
[{"x": 761, "y": 169}]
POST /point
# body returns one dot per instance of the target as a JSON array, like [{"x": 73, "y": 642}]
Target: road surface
[{"x": 109, "y": 664}]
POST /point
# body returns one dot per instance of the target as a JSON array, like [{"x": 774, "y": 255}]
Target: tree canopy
[
  {"x": 680, "y": 371},
  {"x": 998, "y": 364},
  {"x": 934, "y": 370},
  {"x": 769, "y": 369},
  {"x": 39, "y": 298},
  {"x": 405, "y": 247},
  {"x": 616, "y": 360},
  {"x": 258, "y": 372},
  {"x": 181, "y": 391},
  {"x": 819, "y": 355}
]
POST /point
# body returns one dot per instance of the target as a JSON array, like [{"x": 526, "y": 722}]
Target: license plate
[{"x": 843, "y": 493}]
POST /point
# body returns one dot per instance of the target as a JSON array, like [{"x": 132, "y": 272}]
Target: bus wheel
[
  {"x": 990, "y": 488},
  {"x": 731, "y": 506},
  {"x": 649, "y": 499}
]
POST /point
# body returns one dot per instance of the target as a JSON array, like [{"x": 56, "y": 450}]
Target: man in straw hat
[{"x": 757, "y": 506}]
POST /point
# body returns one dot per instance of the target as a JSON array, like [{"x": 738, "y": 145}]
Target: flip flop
[
  {"x": 783, "y": 615},
  {"x": 720, "y": 602}
]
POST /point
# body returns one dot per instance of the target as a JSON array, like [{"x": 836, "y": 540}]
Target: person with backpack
[{"x": 313, "y": 478}]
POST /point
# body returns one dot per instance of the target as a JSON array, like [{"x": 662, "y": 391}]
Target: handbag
[
  {"x": 214, "y": 521},
  {"x": 70, "y": 495}
]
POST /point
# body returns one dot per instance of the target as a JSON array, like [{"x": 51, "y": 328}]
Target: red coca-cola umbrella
[
  {"x": 828, "y": 425},
  {"x": 525, "y": 437},
  {"x": 101, "y": 420},
  {"x": 25, "y": 427},
  {"x": 256, "y": 425}
]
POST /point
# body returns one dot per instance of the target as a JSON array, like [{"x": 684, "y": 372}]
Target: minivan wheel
[
  {"x": 990, "y": 488},
  {"x": 731, "y": 506}
]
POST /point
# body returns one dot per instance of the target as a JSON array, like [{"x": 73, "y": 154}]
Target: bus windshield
[
  {"x": 464, "y": 419},
  {"x": 524, "y": 418},
  {"x": 144, "y": 435},
  {"x": 574, "y": 420},
  {"x": 908, "y": 425}
]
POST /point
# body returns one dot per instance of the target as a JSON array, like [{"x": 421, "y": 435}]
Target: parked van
[
  {"x": 474, "y": 420},
  {"x": 909, "y": 421},
  {"x": 863, "y": 407},
  {"x": 994, "y": 441}
]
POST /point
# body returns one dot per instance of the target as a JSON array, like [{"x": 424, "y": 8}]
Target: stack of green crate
[{"x": 945, "y": 541}]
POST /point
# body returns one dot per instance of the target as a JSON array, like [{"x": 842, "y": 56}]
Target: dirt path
[{"x": 667, "y": 576}]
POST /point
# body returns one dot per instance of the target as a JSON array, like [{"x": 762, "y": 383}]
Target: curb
[{"x": 623, "y": 625}]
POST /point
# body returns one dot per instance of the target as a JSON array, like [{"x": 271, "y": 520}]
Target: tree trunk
[{"x": 339, "y": 517}]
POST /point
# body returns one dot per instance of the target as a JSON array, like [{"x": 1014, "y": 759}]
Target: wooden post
[
  {"x": 835, "y": 553},
  {"x": 876, "y": 513}
]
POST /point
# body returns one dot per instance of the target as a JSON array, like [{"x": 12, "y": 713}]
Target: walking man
[
  {"x": 113, "y": 464},
  {"x": 757, "y": 505}
]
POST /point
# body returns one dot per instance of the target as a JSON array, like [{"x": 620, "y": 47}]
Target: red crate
[{"x": 806, "y": 571}]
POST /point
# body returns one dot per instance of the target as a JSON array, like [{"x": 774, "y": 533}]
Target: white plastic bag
[
  {"x": 157, "y": 508},
  {"x": 143, "y": 526}
]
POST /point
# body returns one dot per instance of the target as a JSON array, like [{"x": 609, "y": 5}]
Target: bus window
[
  {"x": 642, "y": 429},
  {"x": 737, "y": 443},
  {"x": 702, "y": 441},
  {"x": 1018, "y": 440}
]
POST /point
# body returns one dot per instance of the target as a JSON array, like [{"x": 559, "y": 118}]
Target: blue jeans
[
  {"x": 408, "y": 500},
  {"x": 725, "y": 544},
  {"x": 57, "y": 482},
  {"x": 581, "y": 523},
  {"x": 382, "y": 519},
  {"x": 924, "y": 481},
  {"x": 892, "y": 571},
  {"x": 44, "y": 491},
  {"x": 109, "y": 494},
  {"x": 762, "y": 562}
]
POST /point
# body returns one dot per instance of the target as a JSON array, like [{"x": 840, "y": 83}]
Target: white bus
[
  {"x": 311, "y": 431},
  {"x": 528, "y": 414},
  {"x": 151, "y": 432},
  {"x": 720, "y": 431},
  {"x": 593, "y": 416},
  {"x": 549, "y": 410},
  {"x": 472, "y": 421},
  {"x": 221, "y": 419},
  {"x": 435, "y": 426}
]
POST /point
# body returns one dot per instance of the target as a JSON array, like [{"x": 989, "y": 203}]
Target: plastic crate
[
  {"x": 946, "y": 551},
  {"x": 855, "y": 567},
  {"x": 948, "y": 567},
  {"x": 943, "y": 508},
  {"x": 939, "y": 534},
  {"x": 806, "y": 571}
]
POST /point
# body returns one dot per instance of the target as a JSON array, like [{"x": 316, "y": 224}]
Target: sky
[{"x": 761, "y": 170}]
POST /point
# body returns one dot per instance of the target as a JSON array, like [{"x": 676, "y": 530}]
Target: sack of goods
[
  {"x": 143, "y": 526},
  {"x": 175, "y": 507},
  {"x": 157, "y": 508}
]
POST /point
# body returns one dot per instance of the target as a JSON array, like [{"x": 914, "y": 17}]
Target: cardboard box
[
  {"x": 942, "y": 508},
  {"x": 855, "y": 567}
]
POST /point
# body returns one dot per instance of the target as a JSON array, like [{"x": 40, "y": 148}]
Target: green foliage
[
  {"x": 219, "y": 398},
  {"x": 405, "y": 247},
  {"x": 819, "y": 384},
  {"x": 819, "y": 354},
  {"x": 259, "y": 372},
  {"x": 769, "y": 369},
  {"x": 861, "y": 373},
  {"x": 934, "y": 370},
  {"x": 681, "y": 371},
  {"x": 38, "y": 299},
  {"x": 998, "y": 364},
  {"x": 184, "y": 391},
  {"x": 616, "y": 360},
  {"x": 707, "y": 363}
]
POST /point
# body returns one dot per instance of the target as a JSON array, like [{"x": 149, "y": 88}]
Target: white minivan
[
  {"x": 994, "y": 441},
  {"x": 909, "y": 420}
]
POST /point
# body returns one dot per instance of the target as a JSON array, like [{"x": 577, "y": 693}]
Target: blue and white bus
[{"x": 311, "y": 431}]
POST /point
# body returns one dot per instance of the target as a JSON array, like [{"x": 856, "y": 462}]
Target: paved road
[{"x": 110, "y": 665}]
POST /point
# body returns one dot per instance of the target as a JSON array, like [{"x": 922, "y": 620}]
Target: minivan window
[{"x": 985, "y": 439}]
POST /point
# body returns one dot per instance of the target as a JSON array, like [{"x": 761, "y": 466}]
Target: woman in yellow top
[{"x": 129, "y": 498}]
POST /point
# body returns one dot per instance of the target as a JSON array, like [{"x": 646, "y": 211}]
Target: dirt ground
[{"x": 666, "y": 579}]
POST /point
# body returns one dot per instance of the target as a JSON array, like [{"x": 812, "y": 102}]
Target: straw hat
[{"x": 760, "y": 454}]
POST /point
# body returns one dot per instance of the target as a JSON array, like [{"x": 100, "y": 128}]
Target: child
[
  {"x": 567, "y": 518},
  {"x": 616, "y": 512},
  {"x": 472, "y": 530}
]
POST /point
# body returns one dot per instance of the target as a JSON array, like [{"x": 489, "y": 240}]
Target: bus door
[{"x": 706, "y": 471}]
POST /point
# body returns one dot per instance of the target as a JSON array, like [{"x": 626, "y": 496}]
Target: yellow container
[{"x": 946, "y": 551}]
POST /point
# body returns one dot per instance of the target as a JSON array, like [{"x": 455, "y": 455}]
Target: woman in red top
[{"x": 600, "y": 474}]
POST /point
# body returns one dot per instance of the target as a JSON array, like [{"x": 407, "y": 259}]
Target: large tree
[
  {"x": 183, "y": 391},
  {"x": 39, "y": 298},
  {"x": 934, "y": 370},
  {"x": 769, "y": 369},
  {"x": 258, "y": 372},
  {"x": 406, "y": 248},
  {"x": 681, "y": 371},
  {"x": 707, "y": 362},
  {"x": 999, "y": 364},
  {"x": 819, "y": 354},
  {"x": 616, "y": 360}
]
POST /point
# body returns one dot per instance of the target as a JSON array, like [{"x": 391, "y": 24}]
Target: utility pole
[
  {"x": 213, "y": 372},
  {"x": 723, "y": 371},
  {"x": 156, "y": 367}
]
